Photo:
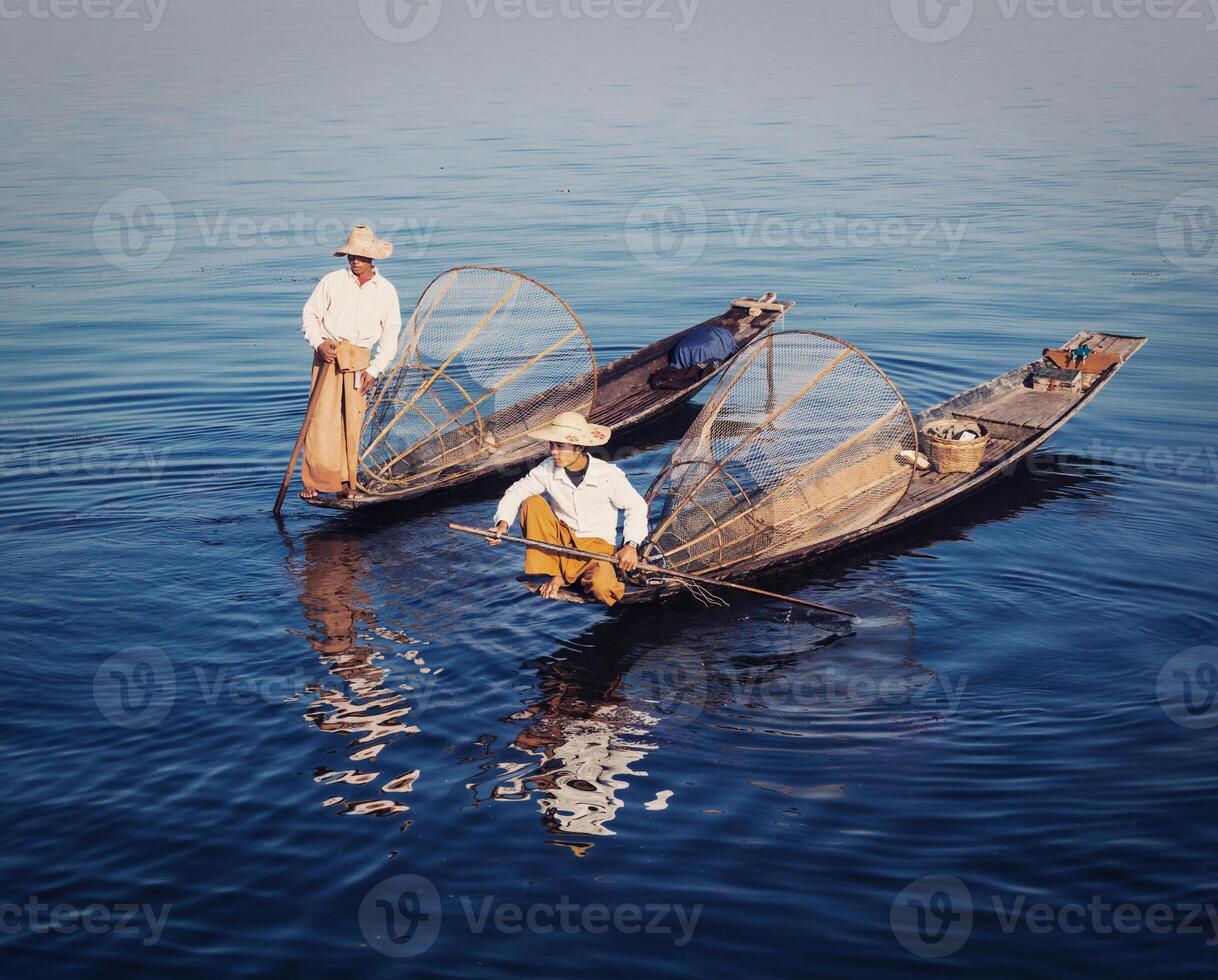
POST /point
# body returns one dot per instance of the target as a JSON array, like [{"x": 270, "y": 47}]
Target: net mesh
[
  {"x": 800, "y": 442},
  {"x": 489, "y": 354}
]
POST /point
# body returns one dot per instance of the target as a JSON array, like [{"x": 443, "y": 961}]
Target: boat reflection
[{"x": 364, "y": 697}]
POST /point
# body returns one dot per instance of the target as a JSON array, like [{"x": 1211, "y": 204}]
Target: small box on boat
[{"x": 1045, "y": 378}]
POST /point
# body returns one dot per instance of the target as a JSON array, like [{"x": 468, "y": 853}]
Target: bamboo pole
[
  {"x": 326, "y": 367},
  {"x": 646, "y": 568}
]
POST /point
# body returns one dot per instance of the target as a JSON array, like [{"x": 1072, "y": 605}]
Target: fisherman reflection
[
  {"x": 362, "y": 704},
  {"x": 585, "y": 735}
]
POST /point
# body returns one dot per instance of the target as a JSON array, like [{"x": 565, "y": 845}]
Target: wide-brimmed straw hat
[
  {"x": 363, "y": 242},
  {"x": 573, "y": 428}
]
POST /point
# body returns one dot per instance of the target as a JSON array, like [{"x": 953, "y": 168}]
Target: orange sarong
[
  {"x": 332, "y": 442},
  {"x": 598, "y": 578}
]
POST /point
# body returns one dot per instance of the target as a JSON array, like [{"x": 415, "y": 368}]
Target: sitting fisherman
[{"x": 586, "y": 495}]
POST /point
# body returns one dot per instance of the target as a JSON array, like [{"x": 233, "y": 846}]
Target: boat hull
[
  {"x": 625, "y": 402},
  {"x": 1020, "y": 421}
]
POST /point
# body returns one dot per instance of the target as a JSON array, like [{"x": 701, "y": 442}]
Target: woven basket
[{"x": 948, "y": 455}]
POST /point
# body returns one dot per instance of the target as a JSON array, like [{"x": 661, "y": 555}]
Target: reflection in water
[
  {"x": 580, "y": 740},
  {"x": 606, "y": 700},
  {"x": 364, "y": 703}
]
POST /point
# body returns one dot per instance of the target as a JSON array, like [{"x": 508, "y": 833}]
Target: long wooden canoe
[
  {"x": 1019, "y": 420},
  {"x": 624, "y": 401}
]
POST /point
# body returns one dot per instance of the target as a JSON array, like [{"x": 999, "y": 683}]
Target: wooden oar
[
  {"x": 646, "y": 568},
  {"x": 326, "y": 367}
]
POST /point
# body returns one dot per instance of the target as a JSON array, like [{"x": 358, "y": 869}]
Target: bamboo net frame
[
  {"x": 800, "y": 442},
  {"x": 489, "y": 354}
]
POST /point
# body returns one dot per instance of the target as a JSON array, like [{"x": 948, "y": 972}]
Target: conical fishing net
[
  {"x": 487, "y": 355},
  {"x": 799, "y": 443}
]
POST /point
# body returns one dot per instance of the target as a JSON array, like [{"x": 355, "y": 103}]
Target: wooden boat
[
  {"x": 1019, "y": 420},
  {"x": 624, "y": 400}
]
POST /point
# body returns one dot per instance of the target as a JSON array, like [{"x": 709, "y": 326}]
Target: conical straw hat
[
  {"x": 362, "y": 241},
  {"x": 573, "y": 428}
]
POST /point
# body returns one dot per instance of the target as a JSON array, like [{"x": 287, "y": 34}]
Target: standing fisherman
[
  {"x": 586, "y": 496},
  {"x": 350, "y": 310}
]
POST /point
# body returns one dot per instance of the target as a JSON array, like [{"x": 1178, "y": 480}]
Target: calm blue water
[{"x": 355, "y": 747}]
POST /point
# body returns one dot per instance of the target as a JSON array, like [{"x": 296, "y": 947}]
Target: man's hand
[
  {"x": 328, "y": 351},
  {"x": 628, "y": 558},
  {"x": 499, "y": 530},
  {"x": 369, "y": 381},
  {"x": 550, "y": 589}
]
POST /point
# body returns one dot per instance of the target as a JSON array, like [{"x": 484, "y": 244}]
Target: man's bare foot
[
  {"x": 346, "y": 492},
  {"x": 307, "y": 494},
  {"x": 550, "y": 589}
]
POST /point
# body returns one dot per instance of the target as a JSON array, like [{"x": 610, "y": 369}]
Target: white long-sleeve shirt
[
  {"x": 591, "y": 509},
  {"x": 341, "y": 309}
]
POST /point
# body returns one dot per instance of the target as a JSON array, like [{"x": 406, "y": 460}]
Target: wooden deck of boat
[
  {"x": 932, "y": 484},
  {"x": 1019, "y": 419}
]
